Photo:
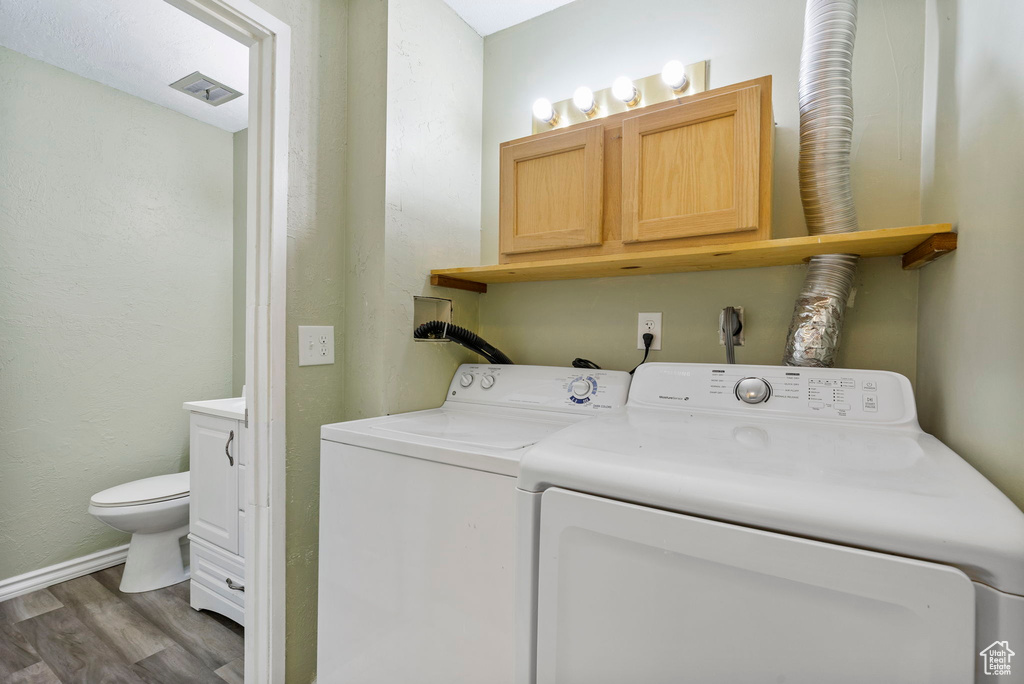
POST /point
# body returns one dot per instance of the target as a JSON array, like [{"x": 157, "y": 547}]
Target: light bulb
[
  {"x": 674, "y": 76},
  {"x": 623, "y": 89},
  {"x": 543, "y": 110},
  {"x": 583, "y": 98}
]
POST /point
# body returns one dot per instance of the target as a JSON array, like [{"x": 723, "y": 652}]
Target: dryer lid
[
  {"x": 895, "y": 490},
  {"x": 147, "y": 490}
]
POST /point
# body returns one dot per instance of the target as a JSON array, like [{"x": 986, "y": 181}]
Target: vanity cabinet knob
[{"x": 234, "y": 585}]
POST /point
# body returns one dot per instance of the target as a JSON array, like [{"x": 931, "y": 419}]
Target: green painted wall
[
  {"x": 553, "y": 323},
  {"x": 115, "y": 300},
  {"x": 593, "y": 41},
  {"x": 374, "y": 203},
  {"x": 431, "y": 191},
  {"x": 239, "y": 143},
  {"x": 970, "y": 357},
  {"x": 316, "y": 290},
  {"x": 414, "y": 195},
  {"x": 365, "y": 211}
]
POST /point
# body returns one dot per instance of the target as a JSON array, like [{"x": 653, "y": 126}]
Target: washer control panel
[
  {"x": 560, "y": 389},
  {"x": 841, "y": 394}
]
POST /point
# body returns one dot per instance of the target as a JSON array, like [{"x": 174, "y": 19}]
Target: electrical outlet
[
  {"x": 739, "y": 339},
  {"x": 316, "y": 345},
  {"x": 648, "y": 323}
]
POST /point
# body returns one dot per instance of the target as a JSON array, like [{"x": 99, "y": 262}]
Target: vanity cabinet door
[
  {"x": 552, "y": 191},
  {"x": 693, "y": 169},
  {"x": 213, "y": 458}
]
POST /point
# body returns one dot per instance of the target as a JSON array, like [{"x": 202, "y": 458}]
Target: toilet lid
[{"x": 148, "y": 490}]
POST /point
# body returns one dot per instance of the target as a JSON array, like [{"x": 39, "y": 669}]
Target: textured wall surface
[
  {"x": 432, "y": 189},
  {"x": 970, "y": 358},
  {"x": 593, "y": 41},
  {"x": 365, "y": 296},
  {"x": 553, "y": 323},
  {"x": 414, "y": 195},
  {"x": 115, "y": 300},
  {"x": 355, "y": 258},
  {"x": 239, "y": 142},
  {"x": 316, "y": 290}
]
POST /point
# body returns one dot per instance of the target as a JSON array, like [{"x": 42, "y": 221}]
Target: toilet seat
[{"x": 144, "y": 491}]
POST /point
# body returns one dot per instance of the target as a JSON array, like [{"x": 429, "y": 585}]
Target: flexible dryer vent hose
[
  {"x": 439, "y": 330},
  {"x": 826, "y": 134}
]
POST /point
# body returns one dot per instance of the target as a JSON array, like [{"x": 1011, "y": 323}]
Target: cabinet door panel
[
  {"x": 692, "y": 169},
  {"x": 213, "y": 504},
  {"x": 701, "y": 159},
  {"x": 552, "y": 191}
]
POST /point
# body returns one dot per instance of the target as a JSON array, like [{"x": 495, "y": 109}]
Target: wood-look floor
[{"x": 86, "y": 631}]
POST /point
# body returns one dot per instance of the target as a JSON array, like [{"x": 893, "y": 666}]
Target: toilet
[{"x": 154, "y": 511}]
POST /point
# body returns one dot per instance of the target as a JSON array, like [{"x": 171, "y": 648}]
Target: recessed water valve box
[{"x": 426, "y": 309}]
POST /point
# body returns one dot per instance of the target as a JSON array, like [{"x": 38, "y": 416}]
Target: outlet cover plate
[
  {"x": 316, "y": 345},
  {"x": 648, "y": 322}
]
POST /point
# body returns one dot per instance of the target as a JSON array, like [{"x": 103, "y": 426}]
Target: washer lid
[
  {"x": 147, "y": 490},
  {"x": 891, "y": 489},
  {"x": 487, "y": 438},
  {"x": 473, "y": 429}
]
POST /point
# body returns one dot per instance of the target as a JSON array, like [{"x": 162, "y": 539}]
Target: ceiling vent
[{"x": 206, "y": 89}]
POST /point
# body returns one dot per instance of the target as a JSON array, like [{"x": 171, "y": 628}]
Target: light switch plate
[{"x": 316, "y": 345}]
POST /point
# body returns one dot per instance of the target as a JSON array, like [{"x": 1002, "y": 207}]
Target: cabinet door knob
[
  {"x": 227, "y": 448},
  {"x": 234, "y": 585}
]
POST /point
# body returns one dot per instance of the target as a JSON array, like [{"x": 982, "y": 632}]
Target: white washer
[
  {"x": 417, "y": 525},
  {"x": 815, "y": 534}
]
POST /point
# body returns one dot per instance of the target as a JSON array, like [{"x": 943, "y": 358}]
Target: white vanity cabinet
[{"x": 216, "y": 506}]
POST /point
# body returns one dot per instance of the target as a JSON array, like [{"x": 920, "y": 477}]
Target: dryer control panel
[
  {"x": 539, "y": 387},
  {"x": 827, "y": 393}
]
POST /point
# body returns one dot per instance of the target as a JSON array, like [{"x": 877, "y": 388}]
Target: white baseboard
[{"x": 61, "y": 572}]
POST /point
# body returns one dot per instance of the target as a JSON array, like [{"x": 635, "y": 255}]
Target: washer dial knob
[
  {"x": 487, "y": 382},
  {"x": 466, "y": 380},
  {"x": 581, "y": 388},
  {"x": 753, "y": 390}
]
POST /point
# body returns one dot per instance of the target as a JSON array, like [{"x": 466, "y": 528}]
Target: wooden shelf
[{"x": 918, "y": 245}]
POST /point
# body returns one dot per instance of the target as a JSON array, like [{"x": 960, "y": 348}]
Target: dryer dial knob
[
  {"x": 753, "y": 390},
  {"x": 466, "y": 380},
  {"x": 487, "y": 382},
  {"x": 581, "y": 388}
]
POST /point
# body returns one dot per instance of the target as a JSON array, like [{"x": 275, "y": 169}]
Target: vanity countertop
[{"x": 225, "y": 408}]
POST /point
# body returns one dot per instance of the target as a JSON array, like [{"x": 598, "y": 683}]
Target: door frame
[{"x": 269, "y": 43}]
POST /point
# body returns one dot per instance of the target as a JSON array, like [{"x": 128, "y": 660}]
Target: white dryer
[
  {"x": 740, "y": 524},
  {"x": 417, "y": 525}
]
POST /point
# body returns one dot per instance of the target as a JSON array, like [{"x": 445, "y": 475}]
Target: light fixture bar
[{"x": 652, "y": 90}]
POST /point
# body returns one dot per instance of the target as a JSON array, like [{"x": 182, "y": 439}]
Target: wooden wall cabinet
[
  {"x": 684, "y": 173},
  {"x": 551, "y": 191}
]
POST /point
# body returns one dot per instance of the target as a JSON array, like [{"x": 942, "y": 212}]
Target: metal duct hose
[{"x": 826, "y": 133}]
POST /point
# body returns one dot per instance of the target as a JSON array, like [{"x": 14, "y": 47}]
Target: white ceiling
[
  {"x": 136, "y": 46},
  {"x": 489, "y": 16}
]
